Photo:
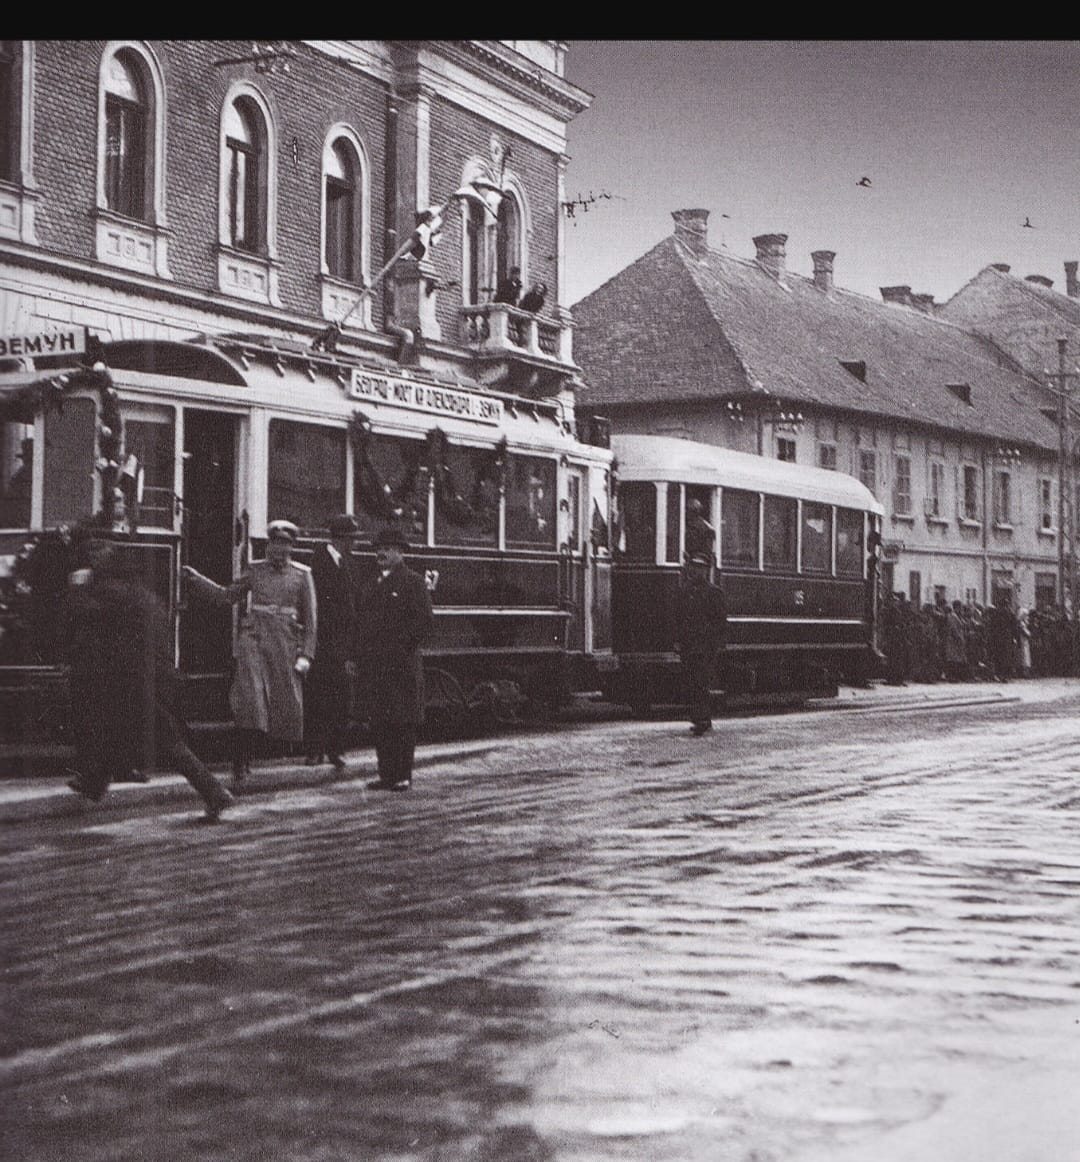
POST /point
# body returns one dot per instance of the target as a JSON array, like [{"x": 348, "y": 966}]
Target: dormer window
[
  {"x": 856, "y": 367},
  {"x": 962, "y": 391}
]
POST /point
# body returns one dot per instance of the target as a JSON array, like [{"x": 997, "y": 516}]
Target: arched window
[
  {"x": 507, "y": 238},
  {"x": 126, "y": 136},
  {"x": 475, "y": 282},
  {"x": 344, "y": 212},
  {"x": 245, "y": 176}
]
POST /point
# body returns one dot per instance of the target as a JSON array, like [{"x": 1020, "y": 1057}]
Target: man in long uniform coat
[
  {"x": 275, "y": 645},
  {"x": 394, "y": 618},
  {"x": 700, "y": 630},
  {"x": 328, "y": 685}
]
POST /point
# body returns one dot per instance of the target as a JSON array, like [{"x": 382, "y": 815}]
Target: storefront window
[
  {"x": 816, "y": 538},
  {"x": 781, "y": 532},
  {"x": 307, "y": 474},
  {"x": 530, "y": 503},
  {"x": 466, "y": 497},
  {"x": 389, "y": 484},
  {"x": 739, "y": 528},
  {"x": 16, "y": 474},
  {"x": 637, "y": 520}
]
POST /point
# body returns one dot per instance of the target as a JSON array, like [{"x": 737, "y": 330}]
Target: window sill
[
  {"x": 907, "y": 518},
  {"x": 1002, "y": 527},
  {"x": 130, "y": 243},
  {"x": 248, "y": 276},
  {"x": 1049, "y": 534},
  {"x": 966, "y": 522},
  {"x": 937, "y": 520}
]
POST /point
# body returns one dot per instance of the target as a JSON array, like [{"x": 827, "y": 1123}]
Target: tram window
[
  {"x": 781, "y": 532},
  {"x": 739, "y": 528},
  {"x": 16, "y": 474},
  {"x": 307, "y": 474},
  {"x": 151, "y": 443},
  {"x": 637, "y": 520},
  {"x": 531, "y": 502},
  {"x": 816, "y": 538},
  {"x": 849, "y": 542},
  {"x": 697, "y": 519},
  {"x": 388, "y": 481},
  {"x": 674, "y": 509},
  {"x": 467, "y": 497},
  {"x": 69, "y": 462}
]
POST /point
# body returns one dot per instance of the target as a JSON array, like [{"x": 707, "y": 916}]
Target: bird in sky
[
  {"x": 1027, "y": 224},
  {"x": 863, "y": 181}
]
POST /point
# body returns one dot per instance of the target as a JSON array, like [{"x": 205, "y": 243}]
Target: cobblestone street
[{"x": 841, "y": 936}]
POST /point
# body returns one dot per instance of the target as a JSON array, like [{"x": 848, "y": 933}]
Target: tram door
[
  {"x": 209, "y": 536},
  {"x": 573, "y": 562}
]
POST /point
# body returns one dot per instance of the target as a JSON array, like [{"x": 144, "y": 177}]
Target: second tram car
[{"x": 793, "y": 549}]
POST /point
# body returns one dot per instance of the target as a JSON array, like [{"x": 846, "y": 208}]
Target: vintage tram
[
  {"x": 794, "y": 550},
  {"x": 189, "y": 448}
]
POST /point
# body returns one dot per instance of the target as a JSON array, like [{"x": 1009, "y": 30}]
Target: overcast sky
[{"x": 962, "y": 141}]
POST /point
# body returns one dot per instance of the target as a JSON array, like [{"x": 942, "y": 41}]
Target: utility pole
[{"x": 1067, "y": 516}]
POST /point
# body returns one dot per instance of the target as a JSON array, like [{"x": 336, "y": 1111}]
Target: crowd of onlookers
[{"x": 971, "y": 642}]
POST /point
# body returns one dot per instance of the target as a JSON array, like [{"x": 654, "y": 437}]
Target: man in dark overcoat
[
  {"x": 328, "y": 686},
  {"x": 393, "y": 618},
  {"x": 700, "y": 632}
]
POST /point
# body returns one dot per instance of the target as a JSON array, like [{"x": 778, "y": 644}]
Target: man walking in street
[
  {"x": 700, "y": 631},
  {"x": 328, "y": 687},
  {"x": 394, "y": 617},
  {"x": 123, "y": 696}
]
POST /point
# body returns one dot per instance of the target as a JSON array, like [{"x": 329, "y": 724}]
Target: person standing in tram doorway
[
  {"x": 275, "y": 645},
  {"x": 700, "y": 631},
  {"x": 394, "y": 617},
  {"x": 328, "y": 688}
]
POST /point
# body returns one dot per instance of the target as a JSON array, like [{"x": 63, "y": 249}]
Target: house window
[
  {"x": 902, "y": 486},
  {"x": 785, "y": 449},
  {"x": 969, "y": 509},
  {"x": 494, "y": 241},
  {"x": 126, "y": 126},
  {"x": 1003, "y": 498},
  {"x": 915, "y": 588},
  {"x": 507, "y": 239},
  {"x": 1045, "y": 590},
  {"x": 827, "y": 456},
  {"x": 868, "y": 469},
  {"x": 935, "y": 498},
  {"x": 10, "y": 112},
  {"x": 245, "y": 169},
  {"x": 344, "y": 211}
]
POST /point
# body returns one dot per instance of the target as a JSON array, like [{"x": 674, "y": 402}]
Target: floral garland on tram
[{"x": 117, "y": 473}]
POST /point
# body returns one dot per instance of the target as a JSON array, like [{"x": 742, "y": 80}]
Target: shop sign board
[
  {"x": 432, "y": 398},
  {"x": 58, "y": 341}
]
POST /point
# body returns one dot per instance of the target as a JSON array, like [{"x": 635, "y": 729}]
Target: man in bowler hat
[
  {"x": 328, "y": 686},
  {"x": 700, "y": 629},
  {"x": 394, "y": 618}
]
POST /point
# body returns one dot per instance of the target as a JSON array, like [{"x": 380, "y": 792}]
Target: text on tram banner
[
  {"x": 425, "y": 397},
  {"x": 64, "y": 341}
]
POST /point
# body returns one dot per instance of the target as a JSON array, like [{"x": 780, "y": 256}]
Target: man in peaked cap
[
  {"x": 275, "y": 645},
  {"x": 394, "y": 618},
  {"x": 328, "y": 689},
  {"x": 700, "y": 628}
]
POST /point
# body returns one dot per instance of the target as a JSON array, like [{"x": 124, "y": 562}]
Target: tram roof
[{"x": 688, "y": 462}]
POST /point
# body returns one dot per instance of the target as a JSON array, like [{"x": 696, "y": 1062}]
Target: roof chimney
[
  {"x": 823, "y": 269},
  {"x": 896, "y": 294},
  {"x": 1004, "y": 267},
  {"x": 771, "y": 254},
  {"x": 692, "y": 229},
  {"x": 1072, "y": 287},
  {"x": 924, "y": 303},
  {"x": 1039, "y": 280}
]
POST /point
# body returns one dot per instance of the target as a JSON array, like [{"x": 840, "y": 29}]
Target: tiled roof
[{"x": 680, "y": 326}]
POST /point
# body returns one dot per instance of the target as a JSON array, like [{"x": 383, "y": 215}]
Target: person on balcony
[
  {"x": 509, "y": 289},
  {"x": 534, "y": 299}
]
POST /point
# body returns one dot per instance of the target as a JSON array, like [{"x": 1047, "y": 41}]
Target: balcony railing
[{"x": 499, "y": 327}]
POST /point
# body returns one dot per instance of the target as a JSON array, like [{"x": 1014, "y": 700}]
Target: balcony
[{"x": 523, "y": 351}]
